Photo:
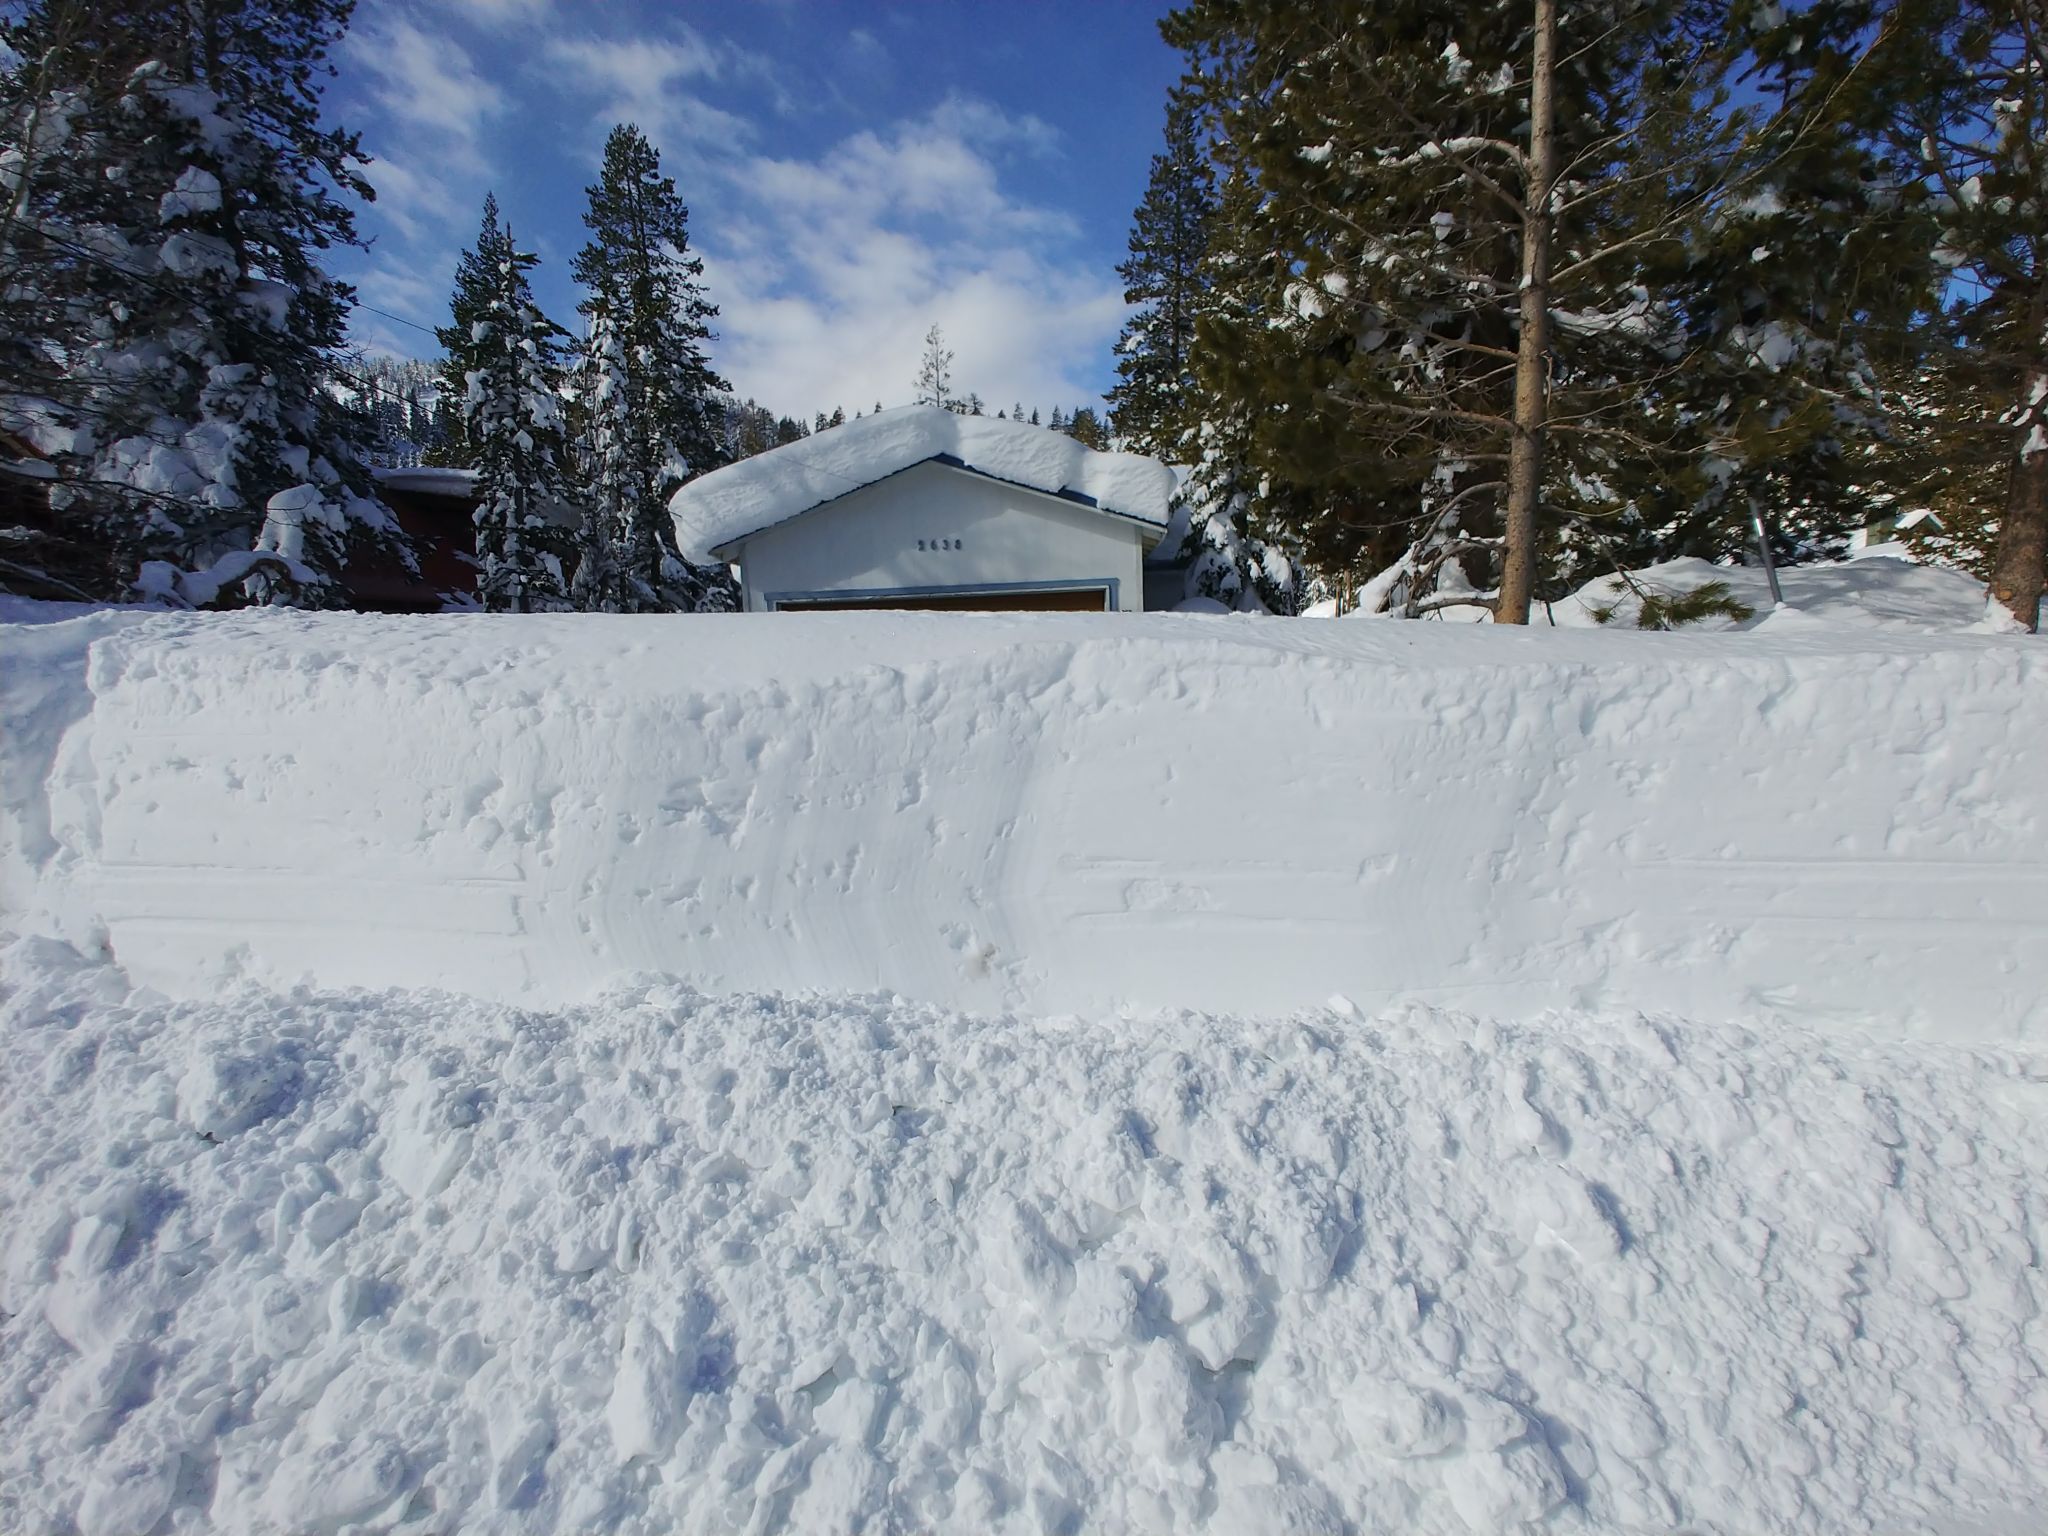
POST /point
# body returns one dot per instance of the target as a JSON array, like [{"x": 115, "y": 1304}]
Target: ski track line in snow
[
  {"x": 1051, "y": 815},
  {"x": 411, "y": 1262}
]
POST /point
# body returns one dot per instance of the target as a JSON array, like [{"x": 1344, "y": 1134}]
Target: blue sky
[{"x": 854, "y": 173}]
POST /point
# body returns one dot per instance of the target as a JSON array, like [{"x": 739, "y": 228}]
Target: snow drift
[
  {"x": 774, "y": 486},
  {"x": 666, "y": 1263},
  {"x": 1875, "y": 590},
  {"x": 1046, "y": 814}
]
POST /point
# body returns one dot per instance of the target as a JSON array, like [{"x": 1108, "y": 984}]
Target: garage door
[{"x": 1061, "y": 600}]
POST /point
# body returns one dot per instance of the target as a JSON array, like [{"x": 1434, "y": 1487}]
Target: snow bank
[
  {"x": 772, "y": 487},
  {"x": 1047, "y": 813},
  {"x": 665, "y": 1263},
  {"x": 1875, "y": 591}
]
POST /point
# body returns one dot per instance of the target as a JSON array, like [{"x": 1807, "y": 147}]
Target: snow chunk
[
  {"x": 196, "y": 191},
  {"x": 223, "y": 1092},
  {"x": 727, "y": 504},
  {"x": 287, "y": 515},
  {"x": 188, "y": 253}
]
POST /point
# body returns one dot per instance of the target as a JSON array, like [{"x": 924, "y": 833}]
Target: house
[
  {"x": 437, "y": 510},
  {"x": 923, "y": 508},
  {"x": 1884, "y": 533},
  {"x": 41, "y": 551}
]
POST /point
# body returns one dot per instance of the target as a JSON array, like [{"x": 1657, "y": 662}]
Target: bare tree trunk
[
  {"x": 1532, "y": 353},
  {"x": 2020, "y": 567}
]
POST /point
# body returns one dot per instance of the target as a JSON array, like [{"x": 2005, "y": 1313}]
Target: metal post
[{"x": 1763, "y": 547}]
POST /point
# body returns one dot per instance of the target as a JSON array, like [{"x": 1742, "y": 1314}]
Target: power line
[{"x": 373, "y": 309}]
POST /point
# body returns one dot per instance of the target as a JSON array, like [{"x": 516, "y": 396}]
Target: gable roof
[{"x": 725, "y": 506}]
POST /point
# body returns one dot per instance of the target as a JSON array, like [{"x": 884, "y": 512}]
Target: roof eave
[{"x": 729, "y": 550}]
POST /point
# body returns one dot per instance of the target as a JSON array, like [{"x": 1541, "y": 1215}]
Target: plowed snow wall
[{"x": 1050, "y": 813}]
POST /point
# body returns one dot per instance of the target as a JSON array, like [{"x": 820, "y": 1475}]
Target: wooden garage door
[{"x": 1065, "y": 600}]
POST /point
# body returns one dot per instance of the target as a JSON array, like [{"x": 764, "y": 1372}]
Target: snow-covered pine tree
[
  {"x": 1165, "y": 277},
  {"x": 1232, "y": 541},
  {"x": 1210, "y": 532},
  {"x": 934, "y": 373},
  {"x": 163, "y": 246},
  {"x": 648, "y": 389},
  {"x": 504, "y": 366}
]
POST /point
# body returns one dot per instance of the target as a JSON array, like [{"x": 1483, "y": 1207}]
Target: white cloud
[
  {"x": 403, "y": 291},
  {"x": 828, "y": 266},
  {"x": 641, "y": 80},
  {"x": 500, "y": 12},
  {"x": 406, "y": 201},
  {"x": 429, "y": 87},
  {"x": 835, "y": 267}
]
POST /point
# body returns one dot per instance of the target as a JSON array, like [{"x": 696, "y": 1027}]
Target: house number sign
[{"x": 938, "y": 544}]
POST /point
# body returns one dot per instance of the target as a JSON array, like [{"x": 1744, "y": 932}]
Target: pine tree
[
  {"x": 1086, "y": 428},
  {"x": 1472, "y": 314},
  {"x": 1165, "y": 275},
  {"x": 1231, "y": 541},
  {"x": 161, "y": 250},
  {"x": 1964, "y": 91},
  {"x": 504, "y": 364},
  {"x": 934, "y": 373},
  {"x": 648, "y": 386}
]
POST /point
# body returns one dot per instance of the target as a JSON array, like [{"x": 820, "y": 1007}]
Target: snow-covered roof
[
  {"x": 718, "y": 509},
  {"x": 428, "y": 481}
]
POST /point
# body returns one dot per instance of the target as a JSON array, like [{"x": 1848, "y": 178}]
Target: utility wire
[{"x": 373, "y": 309}]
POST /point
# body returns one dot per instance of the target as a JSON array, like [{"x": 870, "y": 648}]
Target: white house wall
[{"x": 976, "y": 532}]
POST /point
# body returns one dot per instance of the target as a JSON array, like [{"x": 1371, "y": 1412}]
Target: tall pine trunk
[
  {"x": 2021, "y": 564},
  {"x": 1532, "y": 354}
]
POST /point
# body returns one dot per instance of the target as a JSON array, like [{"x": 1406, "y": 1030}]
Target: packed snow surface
[
  {"x": 388, "y": 1261},
  {"x": 727, "y": 504},
  {"x": 1046, "y": 813}
]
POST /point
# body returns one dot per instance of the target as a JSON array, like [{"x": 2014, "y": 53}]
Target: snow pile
[
  {"x": 1049, "y": 813},
  {"x": 665, "y": 1263},
  {"x": 772, "y": 487},
  {"x": 1880, "y": 591}
]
